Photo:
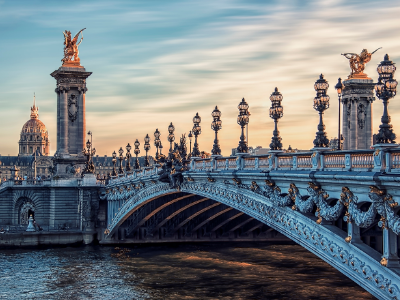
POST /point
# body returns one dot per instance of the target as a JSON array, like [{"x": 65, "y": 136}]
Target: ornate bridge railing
[{"x": 341, "y": 205}]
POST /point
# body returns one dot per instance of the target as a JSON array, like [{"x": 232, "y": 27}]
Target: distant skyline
[{"x": 156, "y": 62}]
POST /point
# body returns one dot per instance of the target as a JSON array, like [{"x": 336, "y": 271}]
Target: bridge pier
[{"x": 390, "y": 258}]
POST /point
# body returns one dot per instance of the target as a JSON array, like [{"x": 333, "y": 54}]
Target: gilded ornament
[
  {"x": 71, "y": 52},
  {"x": 358, "y": 62}
]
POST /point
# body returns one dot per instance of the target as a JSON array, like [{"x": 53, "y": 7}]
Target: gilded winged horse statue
[
  {"x": 358, "y": 62},
  {"x": 71, "y": 52}
]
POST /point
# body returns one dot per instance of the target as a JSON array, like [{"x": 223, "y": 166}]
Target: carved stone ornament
[
  {"x": 73, "y": 107},
  {"x": 361, "y": 115}
]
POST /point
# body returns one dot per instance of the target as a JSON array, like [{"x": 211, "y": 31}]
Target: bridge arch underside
[
  {"x": 183, "y": 216},
  {"x": 228, "y": 204}
]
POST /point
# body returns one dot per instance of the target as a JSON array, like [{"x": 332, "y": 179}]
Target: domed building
[{"x": 34, "y": 135}]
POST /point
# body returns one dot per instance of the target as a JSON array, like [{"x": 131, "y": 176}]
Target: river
[{"x": 194, "y": 271}]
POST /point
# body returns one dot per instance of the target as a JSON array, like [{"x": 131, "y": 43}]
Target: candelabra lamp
[
  {"x": 89, "y": 152},
  {"x": 339, "y": 88},
  {"x": 216, "y": 125},
  {"x": 321, "y": 103},
  {"x": 157, "y": 142},
  {"x": 190, "y": 136},
  {"x": 196, "y": 130},
  {"x": 276, "y": 112},
  {"x": 121, "y": 159},
  {"x": 128, "y": 158},
  {"x": 171, "y": 137},
  {"x": 385, "y": 89},
  {"x": 243, "y": 120},
  {"x": 137, "y": 151},
  {"x": 114, "y": 161},
  {"x": 146, "y": 148}
]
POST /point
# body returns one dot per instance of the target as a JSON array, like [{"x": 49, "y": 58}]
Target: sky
[{"x": 156, "y": 62}]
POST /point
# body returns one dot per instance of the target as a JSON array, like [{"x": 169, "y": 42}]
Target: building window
[
  {"x": 23, "y": 150},
  {"x": 31, "y": 138},
  {"x": 30, "y": 149}
]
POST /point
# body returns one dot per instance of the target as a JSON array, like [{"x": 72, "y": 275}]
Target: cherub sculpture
[
  {"x": 71, "y": 53},
  {"x": 358, "y": 62}
]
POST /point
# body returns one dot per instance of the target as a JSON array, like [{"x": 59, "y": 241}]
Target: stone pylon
[
  {"x": 71, "y": 121},
  {"x": 358, "y": 95}
]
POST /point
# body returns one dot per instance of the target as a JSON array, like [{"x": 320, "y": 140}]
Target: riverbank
[{"x": 41, "y": 238}]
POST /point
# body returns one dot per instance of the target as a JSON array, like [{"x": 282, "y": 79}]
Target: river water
[{"x": 205, "y": 271}]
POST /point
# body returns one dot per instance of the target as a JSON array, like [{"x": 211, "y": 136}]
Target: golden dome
[{"x": 34, "y": 135}]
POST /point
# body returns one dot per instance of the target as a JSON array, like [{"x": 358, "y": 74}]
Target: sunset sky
[{"x": 154, "y": 62}]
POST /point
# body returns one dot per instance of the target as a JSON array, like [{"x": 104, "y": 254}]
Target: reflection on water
[{"x": 206, "y": 271}]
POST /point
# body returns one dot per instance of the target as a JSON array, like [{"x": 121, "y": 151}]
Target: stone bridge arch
[
  {"x": 327, "y": 242},
  {"x": 25, "y": 201}
]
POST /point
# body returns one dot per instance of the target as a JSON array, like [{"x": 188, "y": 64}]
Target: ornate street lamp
[
  {"x": 146, "y": 148},
  {"x": 137, "y": 151},
  {"x": 339, "y": 88},
  {"x": 190, "y": 135},
  {"x": 196, "y": 131},
  {"x": 243, "y": 120},
  {"x": 114, "y": 161},
  {"x": 157, "y": 141},
  {"x": 321, "y": 103},
  {"x": 128, "y": 158},
  {"x": 171, "y": 136},
  {"x": 121, "y": 159},
  {"x": 216, "y": 125},
  {"x": 276, "y": 112},
  {"x": 386, "y": 89},
  {"x": 89, "y": 152}
]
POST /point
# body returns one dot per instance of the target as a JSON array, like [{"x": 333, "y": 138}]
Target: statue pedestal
[{"x": 357, "y": 98}]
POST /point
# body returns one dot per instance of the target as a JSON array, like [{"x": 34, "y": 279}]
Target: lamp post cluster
[
  {"x": 243, "y": 120},
  {"x": 196, "y": 131},
  {"x": 321, "y": 103},
  {"x": 276, "y": 112},
  {"x": 216, "y": 125},
  {"x": 386, "y": 89}
]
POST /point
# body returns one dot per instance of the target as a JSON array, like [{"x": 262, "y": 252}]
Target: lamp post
[
  {"x": 386, "y": 89},
  {"x": 121, "y": 158},
  {"x": 276, "y": 112},
  {"x": 114, "y": 161},
  {"x": 89, "y": 152},
  {"x": 339, "y": 88},
  {"x": 146, "y": 148},
  {"x": 196, "y": 130},
  {"x": 321, "y": 103},
  {"x": 137, "y": 151},
  {"x": 157, "y": 142},
  {"x": 171, "y": 137},
  {"x": 216, "y": 125},
  {"x": 128, "y": 158},
  {"x": 190, "y": 135},
  {"x": 243, "y": 120}
]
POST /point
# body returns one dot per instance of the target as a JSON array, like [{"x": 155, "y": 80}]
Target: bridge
[{"x": 340, "y": 205}]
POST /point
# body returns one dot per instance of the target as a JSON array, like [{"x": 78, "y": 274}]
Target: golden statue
[
  {"x": 71, "y": 53},
  {"x": 358, "y": 62}
]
